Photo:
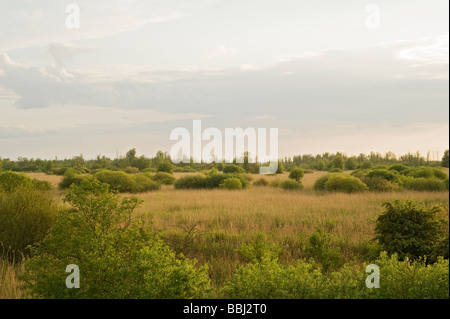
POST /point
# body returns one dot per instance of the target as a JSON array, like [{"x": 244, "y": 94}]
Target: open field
[{"x": 210, "y": 225}]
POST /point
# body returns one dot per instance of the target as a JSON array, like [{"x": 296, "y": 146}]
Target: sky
[{"x": 353, "y": 76}]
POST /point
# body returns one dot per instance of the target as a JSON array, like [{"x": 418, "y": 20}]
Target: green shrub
[
  {"x": 261, "y": 182},
  {"x": 131, "y": 170},
  {"x": 188, "y": 169},
  {"x": 117, "y": 258},
  {"x": 425, "y": 184},
  {"x": 421, "y": 172},
  {"x": 10, "y": 181},
  {"x": 297, "y": 174},
  {"x": 391, "y": 176},
  {"x": 143, "y": 183},
  {"x": 117, "y": 180},
  {"x": 191, "y": 182},
  {"x": 215, "y": 179},
  {"x": 291, "y": 184},
  {"x": 233, "y": 169},
  {"x": 345, "y": 183},
  {"x": 165, "y": 166},
  {"x": 149, "y": 170},
  {"x": 438, "y": 173},
  {"x": 164, "y": 178},
  {"x": 231, "y": 183},
  {"x": 26, "y": 215},
  {"x": 319, "y": 249},
  {"x": 400, "y": 168},
  {"x": 409, "y": 229},
  {"x": 379, "y": 184},
  {"x": 70, "y": 177},
  {"x": 276, "y": 182}
]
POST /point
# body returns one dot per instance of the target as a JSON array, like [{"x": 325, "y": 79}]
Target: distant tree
[
  {"x": 165, "y": 166},
  {"x": 445, "y": 159},
  {"x": 338, "y": 162},
  {"x": 131, "y": 154},
  {"x": 351, "y": 163}
]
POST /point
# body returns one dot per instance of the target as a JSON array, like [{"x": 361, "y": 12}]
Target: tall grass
[{"x": 10, "y": 283}]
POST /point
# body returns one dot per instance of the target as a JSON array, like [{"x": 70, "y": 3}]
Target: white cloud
[{"x": 221, "y": 51}]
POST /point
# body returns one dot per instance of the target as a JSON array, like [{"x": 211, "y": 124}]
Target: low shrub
[
  {"x": 379, "y": 184},
  {"x": 233, "y": 169},
  {"x": 164, "y": 178},
  {"x": 191, "y": 182},
  {"x": 231, "y": 183},
  {"x": 425, "y": 184},
  {"x": 291, "y": 184},
  {"x": 10, "y": 181},
  {"x": 26, "y": 215},
  {"x": 70, "y": 177},
  {"x": 340, "y": 183},
  {"x": 297, "y": 174}
]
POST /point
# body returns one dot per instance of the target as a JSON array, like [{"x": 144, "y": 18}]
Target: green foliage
[
  {"x": 261, "y": 182},
  {"x": 338, "y": 162},
  {"x": 351, "y": 163},
  {"x": 379, "y": 184},
  {"x": 445, "y": 159},
  {"x": 188, "y": 169},
  {"x": 425, "y": 184},
  {"x": 10, "y": 181},
  {"x": 190, "y": 182},
  {"x": 344, "y": 183},
  {"x": 165, "y": 166},
  {"x": 131, "y": 170},
  {"x": 411, "y": 279},
  {"x": 231, "y": 183},
  {"x": 409, "y": 229},
  {"x": 164, "y": 178},
  {"x": 319, "y": 249},
  {"x": 399, "y": 168},
  {"x": 117, "y": 258},
  {"x": 26, "y": 215},
  {"x": 366, "y": 165},
  {"x": 320, "y": 182},
  {"x": 297, "y": 174},
  {"x": 233, "y": 169},
  {"x": 70, "y": 177},
  {"x": 290, "y": 184},
  {"x": 389, "y": 175},
  {"x": 214, "y": 180},
  {"x": 124, "y": 183}
]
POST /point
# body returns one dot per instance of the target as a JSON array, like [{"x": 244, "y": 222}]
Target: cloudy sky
[{"x": 352, "y": 75}]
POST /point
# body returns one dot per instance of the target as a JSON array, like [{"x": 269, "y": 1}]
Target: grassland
[{"x": 210, "y": 225}]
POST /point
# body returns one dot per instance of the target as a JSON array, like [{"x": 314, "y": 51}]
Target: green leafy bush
[
  {"x": 425, "y": 184},
  {"x": 124, "y": 183},
  {"x": 26, "y": 215},
  {"x": 70, "y": 177},
  {"x": 290, "y": 184},
  {"x": 297, "y": 174},
  {"x": 409, "y": 229},
  {"x": 214, "y": 180},
  {"x": 345, "y": 183},
  {"x": 319, "y": 249},
  {"x": 164, "y": 178},
  {"x": 190, "y": 182},
  {"x": 231, "y": 183},
  {"x": 233, "y": 169},
  {"x": 10, "y": 181},
  {"x": 379, "y": 184},
  {"x": 143, "y": 183},
  {"x": 391, "y": 176},
  {"x": 117, "y": 258}
]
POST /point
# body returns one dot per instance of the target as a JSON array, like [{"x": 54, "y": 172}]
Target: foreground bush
[
  {"x": 26, "y": 215},
  {"x": 409, "y": 229},
  {"x": 269, "y": 279},
  {"x": 117, "y": 258}
]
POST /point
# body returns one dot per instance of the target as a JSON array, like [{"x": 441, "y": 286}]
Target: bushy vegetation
[
  {"x": 233, "y": 169},
  {"x": 297, "y": 174},
  {"x": 231, "y": 183},
  {"x": 9, "y": 181},
  {"x": 211, "y": 181},
  {"x": 426, "y": 184},
  {"x": 410, "y": 229},
  {"x": 336, "y": 182},
  {"x": 291, "y": 184},
  {"x": 261, "y": 182},
  {"x": 117, "y": 257},
  {"x": 164, "y": 178},
  {"x": 26, "y": 213}
]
